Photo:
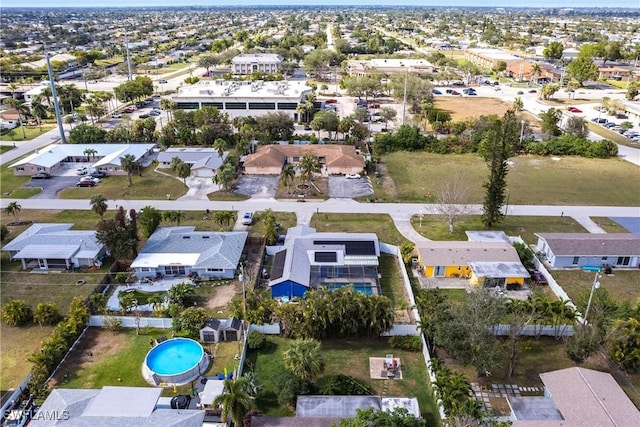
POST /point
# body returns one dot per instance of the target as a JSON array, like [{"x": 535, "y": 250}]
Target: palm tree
[
  {"x": 535, "y": 71},
  {"x": 168, "y": 105},
  {"x": 235, "y": 401},
  {"x": 95, "y": 109},
  {"x": 220, "y": 145},
  {"x": 184, "y": 171},
  {"x": 129, "y": 165},
  {"x": 304, "y": 359},
  {"x": 308, "y": 166},
  {"x": 38, "y": 109},
  {"x": 21, "y": 108},
  {"x": 287, "y": 175},
  {"x": 173, "y": 216},
  {"x": 13, "y": 208},
  {"x": 90, "y": 152},
  {"x": 99, "y": 204}
]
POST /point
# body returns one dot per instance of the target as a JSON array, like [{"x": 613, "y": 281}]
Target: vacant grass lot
[
  {"x": 531, "y": 179},
  {"x": 435, "y": 227},
  {"x": 349, "y": 357},
  {"x": 149, "y": 186},
  {"x": 380, "y": 224},
  {"x": 10, "y": 184},
  {"x": 622, "y": 285},
  {"x": 462, "y": 108},
  {"x": 391, "y": 281},
  {"x": 17, "y": 345}
]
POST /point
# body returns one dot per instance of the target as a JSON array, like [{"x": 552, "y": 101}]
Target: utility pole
[
  {"x": 54, "y": 95},
  {"x": 404, "y": 102},
  {"x": 126, "y": 48}
]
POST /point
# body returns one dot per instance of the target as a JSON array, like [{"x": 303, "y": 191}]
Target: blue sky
[{"x": 497, "y": 3}]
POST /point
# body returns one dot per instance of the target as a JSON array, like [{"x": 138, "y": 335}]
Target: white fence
[
  {"x": 267, "y": 329},
  {"x": 130, "y": 321},
  {"x": 536, "y": 330},
  {"x": 401, "y": 330}
]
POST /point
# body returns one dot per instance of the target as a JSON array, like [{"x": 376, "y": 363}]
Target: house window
[
  {"x": 20, "y": 169},
  {"x": 576, "y": 259},
  {"x": 623, "y": 260},
  {"x": 215, "y": 270},
  {"x": 296, "y": 159},
  {"x": 174, "y": 270},
  {"x": 604, "y": 258}
]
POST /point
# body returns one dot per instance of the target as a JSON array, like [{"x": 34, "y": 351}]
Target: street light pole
[
  {"x": 594, "y": 286},
  {"x": 244, "y": 297}
]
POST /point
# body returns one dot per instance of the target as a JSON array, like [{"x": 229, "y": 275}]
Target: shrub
[
  {"x": 256, "y": 340},
  {"x": 344, "y": 385},
  {"x": 16, "y": 313},
  {"x": 4, "y": 231},
  {"x": 122, "y": 277},
  {"x": 406, "y": 342},
  {"x": 289, "y": 387},
  {"x": 46, "y": 314}
]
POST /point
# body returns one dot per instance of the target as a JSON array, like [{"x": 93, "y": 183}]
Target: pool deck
[{"x": 161, "y": 285}]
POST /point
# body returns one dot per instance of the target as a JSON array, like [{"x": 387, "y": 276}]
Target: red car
[
  {"x": 574, "y": 110},
  {"x": 129, "y": 109},
  {"x": 331, "y": 101},
  {"x": 86, "y": 184}
]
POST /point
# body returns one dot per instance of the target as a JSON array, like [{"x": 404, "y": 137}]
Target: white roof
[
  {"x": 56, "y": 153},
  {"x": 123, "y": 402},
  {"x": 221, "y": 91},
  {"x": 212, "y": 389},
  {"x": 497, "y": 54},
  {"x": 153, "y": 260}
]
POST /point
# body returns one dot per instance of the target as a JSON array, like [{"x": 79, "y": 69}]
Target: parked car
[
  {"x": 533, "y": 91},
  {"x": 455, "y": 92},
  {"x": 621, "y": 116},
  {"x": 144, "y": 116},
  {"x": 41, "y": 175},
  {"x": 90, "y": 178},
  {"x": 520, "y": 92},
  {"x": 98, "y": 174},
  {"x": 116, "y": 115},
  {"x": 600, "y": 120},
  {"x": 130, "y": 109},
  {"x": 155, "y": 113},
  {"x": 538, "y": 278},
  {"x": 574, "y": 110},
  {"x": 83, "y": 170},
  {"x": 163, "y": 82},
  {"x": 247, "y": 218},
  {"x": 353, "y": 176},
  {"x": 86, "y": 184},
  {"x": 610, "y": 124},
  {"x": 437, "y": 92},
  {"x": 331, "y": 101},
  {"x": 307, "y": 127}
]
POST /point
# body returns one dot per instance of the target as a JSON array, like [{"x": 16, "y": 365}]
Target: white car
[
  {"x": 353, "y": 176},
  {"x": 90, "y": 178},
  {"x": 247, "y": 218},
  {"x": 82, "y": 170}
]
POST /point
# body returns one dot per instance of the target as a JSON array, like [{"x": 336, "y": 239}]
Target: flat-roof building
[
  {"x": 247, "y": 63},
  {"x": 241, "y": 99}
]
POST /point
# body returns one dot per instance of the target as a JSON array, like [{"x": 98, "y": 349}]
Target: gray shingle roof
[{"x": 587, "y": 244}]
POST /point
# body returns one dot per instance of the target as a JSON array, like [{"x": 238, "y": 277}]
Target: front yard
[{"x": 380, "y": 224}]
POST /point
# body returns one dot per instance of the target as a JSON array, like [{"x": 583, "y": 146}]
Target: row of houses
[
  {"x": 309, "y": 259},
  {"x": 205, "y": 161}
]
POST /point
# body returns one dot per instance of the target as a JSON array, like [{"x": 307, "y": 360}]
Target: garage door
[{"x": 204, "y": 173}]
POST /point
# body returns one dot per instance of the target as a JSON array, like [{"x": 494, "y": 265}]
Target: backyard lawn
[
  {"x": 391, "y": 281},
  {"x": 531, "y": 179},
  {"x": 623, "y": 285},
  {"x": 349, "y": 357},
  {"x": 115, "y": 358},
  {"x": 435, "y": 227},
  {"x": 380, "y": 224},
  {"x": 30, "y": 131}
]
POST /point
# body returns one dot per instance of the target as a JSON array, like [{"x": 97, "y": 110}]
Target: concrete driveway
[
  {"x": 342, "y": 188},
  {"x": 50, "y": 187}
]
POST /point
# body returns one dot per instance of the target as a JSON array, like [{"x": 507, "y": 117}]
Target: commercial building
[
  {"x": 247, "y": 63},
  {"x": 241, "y": 99}
]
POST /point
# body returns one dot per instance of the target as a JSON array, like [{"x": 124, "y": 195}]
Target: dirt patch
[
  {"x": 378, "y": 370},
  {"x": 223, "y": 295},
  {"x": 90, "y": 350},
  {"x": 471, "y": 107}
]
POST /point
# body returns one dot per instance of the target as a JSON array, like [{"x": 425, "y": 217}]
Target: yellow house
[{"x": 487, "y": 263}]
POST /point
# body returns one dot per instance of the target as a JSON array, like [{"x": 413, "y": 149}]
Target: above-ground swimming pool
[{"x": 175, "y": 361}]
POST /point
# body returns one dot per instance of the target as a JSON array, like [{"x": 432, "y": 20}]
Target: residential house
[
  {"x": 216, "y": 330},
  {"x": 566, "y": 250},
  {"x": 486, "y": 263},
  {"x": 113, "y": 406},
  {"x": 389, "y": 66},
  {"x": 204, "y": 161},
  {"x": 182, "y": 251},
  {"x": 247, "y": 63},
  {"x": 575, "y": 397},
  {"x": 335, "y": 159},
  {"x": 105, "y": 158},
  {"x": 309, "y": 260},
  {"x": 46, "y": 246}
]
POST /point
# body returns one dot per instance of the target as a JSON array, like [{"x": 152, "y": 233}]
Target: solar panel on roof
[
  {"x": 326, "y": 257},
  {"x": 278, "y": 265},
  {"x": 357, "y": 247}
]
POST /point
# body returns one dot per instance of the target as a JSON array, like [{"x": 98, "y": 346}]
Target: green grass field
[
  {"x": 622, "y": 285},
  {"x": 349, "y": 357},
  {"x": 5, "y": 148},
  {"x": 391, "y": 281},
  {"x": 30, "y": 132},
  {"x": 531, "y": 179},
  {"x": 17, "y": 345},
  {"x": 434, "y": 227},
  {"x": 381, "y": 225},
  {"x": 609, "y": 225},
  {"x": 611, "y": 135}
]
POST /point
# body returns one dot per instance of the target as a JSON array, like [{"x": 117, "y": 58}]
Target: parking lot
[{"x": 341, "y": 187}]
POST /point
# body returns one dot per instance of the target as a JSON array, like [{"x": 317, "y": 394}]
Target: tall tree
[
  {"x": 550, "y": 119},
  {"x": 553, "y": 51},
  {"x": 308, "y": 166},
  {"x": 99, "y": 204},
  {"x": 224, "y": 176},
  {"x": 583, "y": 68},
  {"x": 496, "y": 148},
  {"x": 287, "y": 175},
  {"x": 38, "y": 109},
  {"x": 90, "y": 152},
  {"x": 14, "y": 209},
  {"x": 87, "y": 134},
  {"x": 118, "y": 238},
  {"x": 129, "y": 164},
  {"x": 452, "y": 196},
  {"x": 149, "y": 219},
  {"x": 21, "y": 108}
]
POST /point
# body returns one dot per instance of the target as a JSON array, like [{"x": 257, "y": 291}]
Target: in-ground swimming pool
[
  {"x": 363, "y": 288},
  {"x": 175, "y": 361}
]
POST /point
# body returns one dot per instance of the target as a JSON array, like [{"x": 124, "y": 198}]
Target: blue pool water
[
  {"x": 363, "y": 288},
  {"x": 174, "y": 356}
]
